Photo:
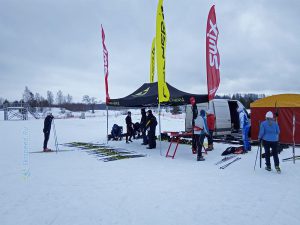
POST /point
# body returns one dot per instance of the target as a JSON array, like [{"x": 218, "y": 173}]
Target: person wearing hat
[
  {"x": 129, "y": 127},
  {"x": 269, "y": 135},
  {"x": 46, "y": 131},
  {"x": 195, "y": 114},
  {"x": 200, "y": 131},
  {"x": 211, "y": 127},
  {"x": 150, "y": 127},
  {"x": 245, "y": 127},
  {"x": 143, "y": 125}
]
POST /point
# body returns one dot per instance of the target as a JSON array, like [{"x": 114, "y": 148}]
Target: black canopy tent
[{"x": 147, "y": 96}]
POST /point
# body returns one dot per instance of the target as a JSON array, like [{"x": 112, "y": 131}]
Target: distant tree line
[
  {"x": 59, "y": 100},
  {"x": 245, "y": 99},
  {"x": 90, "y": 103}
]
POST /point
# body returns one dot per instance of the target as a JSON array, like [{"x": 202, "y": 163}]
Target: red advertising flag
[
  {"x": 212, "y": 54},
  {"x": 105, "y": 58}
]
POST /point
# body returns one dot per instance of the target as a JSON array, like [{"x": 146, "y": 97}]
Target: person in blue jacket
[
  {"x": 269, "y": 135},
  {"x": 244, "y": 126}
]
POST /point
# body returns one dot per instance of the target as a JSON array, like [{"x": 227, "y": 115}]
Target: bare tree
[
  {"x": 50, "y": 98},
  {"x": 93, "y": 103},
  {"x": 86, "y": 99},
  {"x": 1, "y": 101},
  {"x": 69, "y": 99},
  {"x": 38, "y": 99},
  {"x": 60, "y": 97},
  {"x": 27, "y": 95}
]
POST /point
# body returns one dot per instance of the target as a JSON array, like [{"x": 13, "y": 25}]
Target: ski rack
[{"x": 176, "y": 137}]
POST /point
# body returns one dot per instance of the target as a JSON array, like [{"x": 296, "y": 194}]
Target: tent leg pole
[
  {"x": 294, "y": 127},
  {"x": 159, "y": 129},
  {"x": 106, "y": 124}
]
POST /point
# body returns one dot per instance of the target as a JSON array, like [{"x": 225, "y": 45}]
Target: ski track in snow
[{"x": 76, "y": 188}]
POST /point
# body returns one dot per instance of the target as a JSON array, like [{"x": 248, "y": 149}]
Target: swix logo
[
  {"x": 213, "y": 50},
  {"x": 142, "y": 92},
  {"x": 212, "y": 91}
]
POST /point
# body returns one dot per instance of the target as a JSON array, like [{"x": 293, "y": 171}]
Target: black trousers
[
  {"x": 271, "y": 145},
  {"x": 46, "y": 138},
  {"x": 129, "y": 133},
  {"x": 210, "y": 137},
  {"x": 199, "y": 142},
  {"x": 151, "y": 139}
]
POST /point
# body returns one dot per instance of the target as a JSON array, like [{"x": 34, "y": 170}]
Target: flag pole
[
  {"x": 159, "y": 129},
  {"x": 106, "y": 124}
]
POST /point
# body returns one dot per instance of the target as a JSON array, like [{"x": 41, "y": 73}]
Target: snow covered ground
[{"x": 74, "y": 188}]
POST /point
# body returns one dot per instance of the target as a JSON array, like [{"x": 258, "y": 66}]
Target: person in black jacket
[
  {"x": 46, "y": 130},
  {"x": 195, "y": 115},
  {"x": 150, "y": 127},
  {"x": 129, "y": 127},
  {"x": 143, "y": 126}
]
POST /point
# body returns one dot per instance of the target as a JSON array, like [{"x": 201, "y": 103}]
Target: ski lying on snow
[
  {"x": 226, "y": 158},
  {"x": 227, "y": 164},
  {"x": 52, "y": 151},
  {"x": 291, "y": 158}
]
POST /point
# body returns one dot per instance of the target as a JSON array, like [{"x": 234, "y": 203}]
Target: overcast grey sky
[{"x": 53, "y": 45}]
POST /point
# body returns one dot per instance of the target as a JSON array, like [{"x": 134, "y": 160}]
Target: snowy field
[{"x": 74, "y": 188}]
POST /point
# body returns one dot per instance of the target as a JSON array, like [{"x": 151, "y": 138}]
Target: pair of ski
[
  {"x": 291, "y": 158},
  {"x": 227, "y": 158}
]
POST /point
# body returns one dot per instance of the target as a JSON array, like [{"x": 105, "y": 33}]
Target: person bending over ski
[
  {"x": 200, "y": 131},
  {"x": 269, "y": 135},
  {"x": 46, "y": 130},
  {"x": 244, "y": 126}
]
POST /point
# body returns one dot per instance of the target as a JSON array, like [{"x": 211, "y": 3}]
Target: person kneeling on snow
[
  {"x": 116, "y": 132},
  {"x": 46, "y": 130},
  {"x": 200, "y": 131},
  {"x": 269, "y": 135}
]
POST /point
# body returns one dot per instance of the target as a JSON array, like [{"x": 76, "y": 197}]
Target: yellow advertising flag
[
  {"x": 161, "y": 41},
  {"x": 152, "y": 62}
]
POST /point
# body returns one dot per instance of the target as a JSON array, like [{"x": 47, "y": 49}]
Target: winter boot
[
  {"x": 268, "y": 168},
  {"x": 200, "y": 158},
  {"x": 209, "y": 148},
  {"x": 278, "y": 169}
]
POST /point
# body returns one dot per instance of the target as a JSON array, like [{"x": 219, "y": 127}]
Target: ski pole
[
  {"x": 260, "y": 150},
  {"x": 55, "y": 137},
  {"x": 256, "y": 155}
]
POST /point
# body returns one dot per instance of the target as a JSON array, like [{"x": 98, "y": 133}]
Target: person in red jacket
[{"x": 211, "y": 128}]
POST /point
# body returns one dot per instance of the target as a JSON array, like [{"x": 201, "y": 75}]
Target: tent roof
[
  {"x": 282, "y": 100},
  {"x": 147, "y": 96}
]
